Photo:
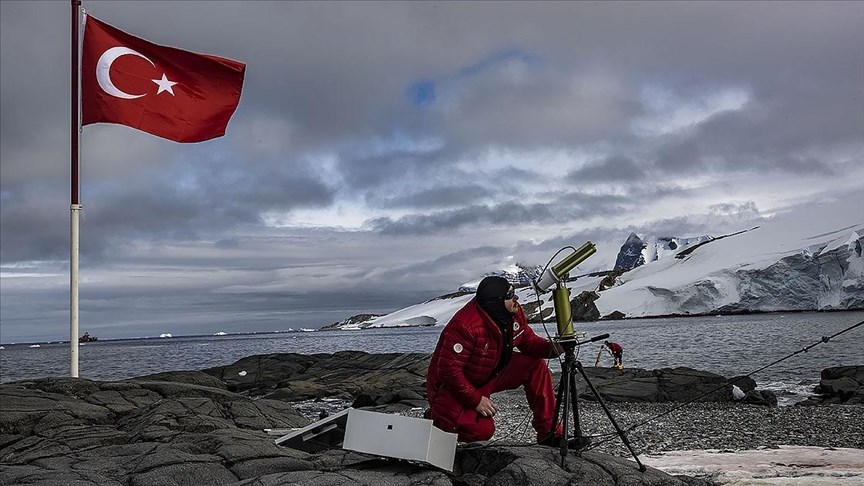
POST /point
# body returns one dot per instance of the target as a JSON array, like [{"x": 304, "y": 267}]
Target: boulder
[
  {"x": 662, "y": 385},
  {"x": 839, "y": 385},
  {"x": 765, "y": 398},
  {"x": 345, "y": 374},
  {"x": 582, "y": 307}
]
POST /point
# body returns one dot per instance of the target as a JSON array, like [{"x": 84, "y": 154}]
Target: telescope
[
  {"x": 556, "y": 275},
  {"x": 559, "y": 271}
]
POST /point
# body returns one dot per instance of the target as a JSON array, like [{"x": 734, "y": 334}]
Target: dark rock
[
  {"x": 188, "y": 377},
  {"x": 662, "y": 385},
  {"x": 76, "y": 431},
  {"x": 630, "y": 255},
  {"x": 614, "y": 316},
  {"x": 839, "y": 385},
  {"x": 521, "y": 466},
  {"x": 582, "y": 307},
  {"x": 745, "y": 383},
  {"x": 346, "y": 374},
  {"x": 396, "y": 382},
  {"x": 760, "y": 397},
  {"x": 171, "y": 429},
  {"x": 363, "y": 400}
]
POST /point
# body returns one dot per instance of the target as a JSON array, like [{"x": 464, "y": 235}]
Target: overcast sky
[{"x": 385, "y": 153}]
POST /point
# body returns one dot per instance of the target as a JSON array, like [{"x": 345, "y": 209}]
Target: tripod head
[
  {"x": 556, "y": 276},
  {"x": 572, "y": 339}
]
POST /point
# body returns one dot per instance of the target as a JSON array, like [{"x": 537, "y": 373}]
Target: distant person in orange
[{"x": 617, "y": 353}]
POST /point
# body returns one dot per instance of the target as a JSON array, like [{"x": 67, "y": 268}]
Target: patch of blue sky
[
  {"x": 668, "y": 112},
  {"x": 425, "y": 92}
]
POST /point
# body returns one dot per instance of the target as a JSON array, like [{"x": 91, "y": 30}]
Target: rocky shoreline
[{"x": 208, "y": 427}]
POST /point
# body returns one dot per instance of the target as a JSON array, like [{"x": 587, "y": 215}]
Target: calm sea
[{"x": 728, "y": 345}]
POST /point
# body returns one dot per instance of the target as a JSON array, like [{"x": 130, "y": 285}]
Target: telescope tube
[{"x": 561, "y": 301}]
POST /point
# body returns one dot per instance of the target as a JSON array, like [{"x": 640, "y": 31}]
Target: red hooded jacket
[{"x": 466, "y": 355}]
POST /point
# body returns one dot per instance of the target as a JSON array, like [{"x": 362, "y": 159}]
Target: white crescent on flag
[{"x": 103, "y": 71}]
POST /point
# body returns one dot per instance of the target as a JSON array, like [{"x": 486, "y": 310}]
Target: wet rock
[
  {"x": 842, "y": 384},
  {"x": 760, "y": 397}
]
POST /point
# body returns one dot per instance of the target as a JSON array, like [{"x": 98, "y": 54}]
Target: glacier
[
  {"x": 807, "y": 260},
  {"x": 802, "y": 260}
]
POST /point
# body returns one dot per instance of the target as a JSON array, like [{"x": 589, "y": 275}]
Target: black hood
[{"x": 490, "y": 297}]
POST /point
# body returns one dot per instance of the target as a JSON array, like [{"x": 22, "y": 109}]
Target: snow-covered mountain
[
  {"x": 810, "y": 259},
  {"x": 517, "y": 275},
  {"x": 636, "y": 252},
  {"x": 807, "y": 260}
]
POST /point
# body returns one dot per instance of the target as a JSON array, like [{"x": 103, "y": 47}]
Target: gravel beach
[
  {"x": 696, "y": 426},
  {"x": 722, "y": 426}
]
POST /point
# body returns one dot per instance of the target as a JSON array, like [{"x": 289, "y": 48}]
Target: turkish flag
[{"x": 167, "y": 92}]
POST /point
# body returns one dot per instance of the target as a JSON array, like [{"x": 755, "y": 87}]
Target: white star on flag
[{"x": 164, "y": 84}]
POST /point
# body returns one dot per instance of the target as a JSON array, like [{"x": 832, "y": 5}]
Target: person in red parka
[
  {"x": 476, "y": 356},
  {"x": 617, "y": 353}
]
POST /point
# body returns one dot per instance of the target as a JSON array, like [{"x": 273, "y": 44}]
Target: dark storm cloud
[{"x": 566, "y": 207}]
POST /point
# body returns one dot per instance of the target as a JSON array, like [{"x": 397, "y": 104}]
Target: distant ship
[
  {"x": 35, "y": 346},
  {"x": 221, "y": 333},
  {"x": 87, "y": 338},
  {"x": 165, "y": 334}
]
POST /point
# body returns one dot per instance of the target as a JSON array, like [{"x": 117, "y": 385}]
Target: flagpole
[{"x": 75, "y": 207}]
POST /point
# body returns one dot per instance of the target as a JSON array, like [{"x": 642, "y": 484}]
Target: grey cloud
[
  {"x": 457, "y": 218},
  {"x": 438, "y": 197},
  {"x": 616, "y": 168},
  {"x": 444, "y": 261}
]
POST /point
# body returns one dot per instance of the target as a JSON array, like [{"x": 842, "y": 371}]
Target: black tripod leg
[
  {"x": 611, "y": 419},
  {"x": 558, "y": 398},
  {"x": 566, "y": 374},
  {"x": 574, "y": 392}
]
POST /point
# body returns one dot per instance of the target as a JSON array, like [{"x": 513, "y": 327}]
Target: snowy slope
[
  {"x": 431, "y": 313},
  {"x": 807, "y": 260}
]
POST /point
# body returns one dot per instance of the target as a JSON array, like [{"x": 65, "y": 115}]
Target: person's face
[{"x": 511, "y": 303}]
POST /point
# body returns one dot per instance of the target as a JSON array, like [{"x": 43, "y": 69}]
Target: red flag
[{"x": 164, "y": 91}]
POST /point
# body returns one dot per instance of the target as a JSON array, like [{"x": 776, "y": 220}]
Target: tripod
[{"x": 567, "y": 390}]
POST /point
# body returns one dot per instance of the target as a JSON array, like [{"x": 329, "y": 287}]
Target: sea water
[{"x": 727, "y": 345}]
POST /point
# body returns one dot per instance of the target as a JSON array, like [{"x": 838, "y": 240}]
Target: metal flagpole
[{"x": 75, "y": 208}]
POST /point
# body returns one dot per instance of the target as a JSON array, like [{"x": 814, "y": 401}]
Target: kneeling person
[{"x": 474, "y": 358}]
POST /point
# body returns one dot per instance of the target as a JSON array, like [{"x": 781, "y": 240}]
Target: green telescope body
[
  {"x": 560, "y": 270},
  {"x": 561, "y": 300}
]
